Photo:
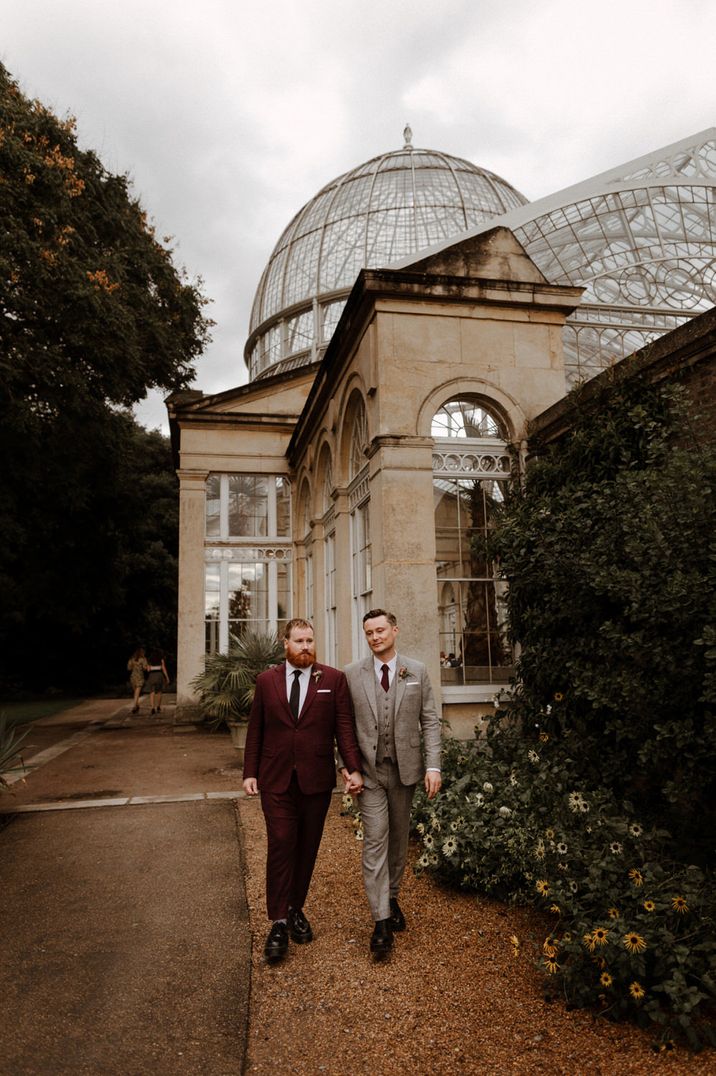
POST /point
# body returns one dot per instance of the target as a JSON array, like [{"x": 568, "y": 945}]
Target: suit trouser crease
[
  {"x": 385, "y": 810},
  {"x": 294, "y": 827}
]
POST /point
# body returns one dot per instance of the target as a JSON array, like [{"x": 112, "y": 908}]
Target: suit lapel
[
  {"x": 312, "y": 689},
  {"x": 367, "y": 676},
  {"x": 399, "y": 684}
]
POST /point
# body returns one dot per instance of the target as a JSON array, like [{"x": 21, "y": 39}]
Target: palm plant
[
  {"x": 10, "y": 741},
  {"x": 226, "y": 686}
]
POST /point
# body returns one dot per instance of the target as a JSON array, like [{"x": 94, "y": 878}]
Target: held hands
[
  {"x": 251, "y": 786},
  {"x": 433, "y": 781},
  {"x": 353, "y": 782}
]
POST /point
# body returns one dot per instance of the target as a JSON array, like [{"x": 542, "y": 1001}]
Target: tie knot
[
  {"x": 296, "y": 674},
  {"x": 385, "y": 668}
]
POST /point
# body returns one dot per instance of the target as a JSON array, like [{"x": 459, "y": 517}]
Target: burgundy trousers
[{"x": 294, "y": 827}]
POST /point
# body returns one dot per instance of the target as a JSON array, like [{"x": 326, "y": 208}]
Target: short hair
[
  {"x": 373, "y": 613},
  {"x": 297, "y": 622}
]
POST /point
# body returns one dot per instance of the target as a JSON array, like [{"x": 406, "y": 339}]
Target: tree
[
  {"x": 92, "y": 306},
  {"x": 92, "y": 314}
]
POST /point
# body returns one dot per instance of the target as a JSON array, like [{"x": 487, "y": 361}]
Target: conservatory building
[{"x": 413, "y": 320}]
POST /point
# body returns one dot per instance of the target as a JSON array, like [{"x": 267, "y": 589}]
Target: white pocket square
[
  {"x": 412, "y": 685},
  {"x": 323, "y": 691}
]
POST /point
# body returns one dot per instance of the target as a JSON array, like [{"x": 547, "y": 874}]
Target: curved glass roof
[
  {"x": 391, "y": 206},
  {"x": 640, "y": 239}
]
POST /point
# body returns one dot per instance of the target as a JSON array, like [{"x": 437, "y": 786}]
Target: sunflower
[
  {"x": 636, "y": 990},
  {"x": 605, "y": 979},
  {"x": 634, "y": 942},
  {"x": 550, "y": 962},
  {"x": 450, "y": 847},
  {"x": 428, "y": 840},
  {"x": 558, "y": 696},
  {"x": 636, "y": 877},
  {"x": 600, "y": 935},
  {"x": 424, "y": 860},
  {"x": 616, "y": 848},
  {"x": 549, "y": 946},
  {"x": 544, "y": 737},
  {"x": 679, "y": 905},
  {"x": 562, "y": 848},
  {"x": 542, "y": 887},
  {"x": 549, "y": 834},
  {"x": 554, "y": 908},
  {"x": 649, "y": 906},
  {"x": 589, "y": 941},
  {"x": 613, "y": 913},
  {"x": 635, "y": 829}
]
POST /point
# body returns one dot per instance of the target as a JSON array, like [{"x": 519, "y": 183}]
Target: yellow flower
[
  {"x": 614, "y": 913},
  {"x": 634, "y": 942},
  {"x": 605, "y": 979},
  {"x": 600, "y": 935},
  {"x": 550, "y": 962},
  {"x": 549, "y": 946},
  {"x": 558, "y": 696},
  {"x": 636, "y": 877},
  {"x": 515, "y": 945},
  {"x": 589, "y": 941},
  {"x": 637, "y": 991},
  {"x": 649, "y": 906},
  {"x": 679, "y": 905},
  {"x": 554, "y": 908},
  {"x": 543, "y": 737},
  {"x": 542, "y": 887},
  {"x": 549, "y": 834}
]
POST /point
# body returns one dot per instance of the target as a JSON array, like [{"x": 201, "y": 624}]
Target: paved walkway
[{"x": 127, "y": 945}]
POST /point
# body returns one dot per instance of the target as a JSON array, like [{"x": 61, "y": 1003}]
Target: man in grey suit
[{"x": 393, "y": 702}]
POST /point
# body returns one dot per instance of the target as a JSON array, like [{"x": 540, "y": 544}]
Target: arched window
[{"x": 471, "y": 472}]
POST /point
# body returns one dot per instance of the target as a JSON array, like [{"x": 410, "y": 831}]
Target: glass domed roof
[{"x": 386, "y": 209}]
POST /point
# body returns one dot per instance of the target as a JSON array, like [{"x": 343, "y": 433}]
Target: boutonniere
[
  {"x": 403, "y": 672},
  {"x": 316, "y": 676}
]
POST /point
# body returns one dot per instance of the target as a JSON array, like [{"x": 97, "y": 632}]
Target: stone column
[{"x": 190, "y": 634}]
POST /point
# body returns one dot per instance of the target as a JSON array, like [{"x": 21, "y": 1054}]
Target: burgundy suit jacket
[{"x": 276, "y": 745}]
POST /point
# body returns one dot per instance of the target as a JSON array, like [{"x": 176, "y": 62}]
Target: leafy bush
[
  {"x": 226, "y": 686},
  {"x": 632, "y": 931}
]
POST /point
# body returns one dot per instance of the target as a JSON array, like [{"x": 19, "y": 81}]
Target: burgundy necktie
[
  {"x": 384, "y": 682},
  {"x": 295, "y": 695}
]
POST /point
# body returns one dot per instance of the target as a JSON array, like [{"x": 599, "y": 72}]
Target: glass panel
[
  {"x": 211, "y": 607},
  {"x": 248, "y": 506},
  {"x": 465, "y": 418},
  {"x": 213, "y": 497},
  {"x": 283, "y": 507}
]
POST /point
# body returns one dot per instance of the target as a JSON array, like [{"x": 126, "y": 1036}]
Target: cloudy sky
[{"x": 229, "y": 115}]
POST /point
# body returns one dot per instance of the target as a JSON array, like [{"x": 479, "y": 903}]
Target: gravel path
[{"x": 452, "y": 999}]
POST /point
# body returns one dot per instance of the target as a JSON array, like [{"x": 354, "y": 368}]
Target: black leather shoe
[
  {"x": 397, "y": 919},
  {"x": 299, "y": 928},
  {"x": 276, "y": 945},
  {"x": 381, "y": 941}
]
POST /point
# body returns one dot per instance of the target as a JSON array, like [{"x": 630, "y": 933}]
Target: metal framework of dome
[
  {"x": 639, "y": 238},
  {"x": 392, "y": 206}
]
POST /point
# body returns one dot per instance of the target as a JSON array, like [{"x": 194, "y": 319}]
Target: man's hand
[
  {"x": 433, "y": 781},
  {"x": 353, "y": 782},
  {"x": 251, "y": 786}
]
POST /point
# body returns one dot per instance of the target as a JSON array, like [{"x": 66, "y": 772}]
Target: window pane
[
  {"x": 248, "y": 594},
  {"x": 213, "y": 492},
  {"x": 248, "y": 506},
  {"x": 283, "y": 507}
]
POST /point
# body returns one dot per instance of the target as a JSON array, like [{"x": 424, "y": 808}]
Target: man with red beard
[{"x": 299, "y": 708}]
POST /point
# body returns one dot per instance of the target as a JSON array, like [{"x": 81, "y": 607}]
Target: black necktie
[
  {"x": 384, "y": 681},
  {"x": 295, "y": 696}
]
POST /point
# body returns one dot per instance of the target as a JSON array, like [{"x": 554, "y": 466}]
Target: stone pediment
[{"x": 491, "y": 255}]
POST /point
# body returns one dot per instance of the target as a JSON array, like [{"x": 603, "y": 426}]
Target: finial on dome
[{"x": 408, "y": 137}]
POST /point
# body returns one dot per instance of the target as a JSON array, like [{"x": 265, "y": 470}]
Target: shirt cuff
[{"x": 432, "y": 769}]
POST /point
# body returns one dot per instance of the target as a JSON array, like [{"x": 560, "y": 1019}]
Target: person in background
[
  {"x": 157, "y": 679},
  {"x": 137, "y": 667}
]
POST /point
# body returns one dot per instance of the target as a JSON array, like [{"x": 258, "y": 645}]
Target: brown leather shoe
[{"x": 381, "y": 941}]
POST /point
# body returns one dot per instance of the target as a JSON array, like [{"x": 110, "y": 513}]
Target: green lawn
[{"x": 20, "y": 713}]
